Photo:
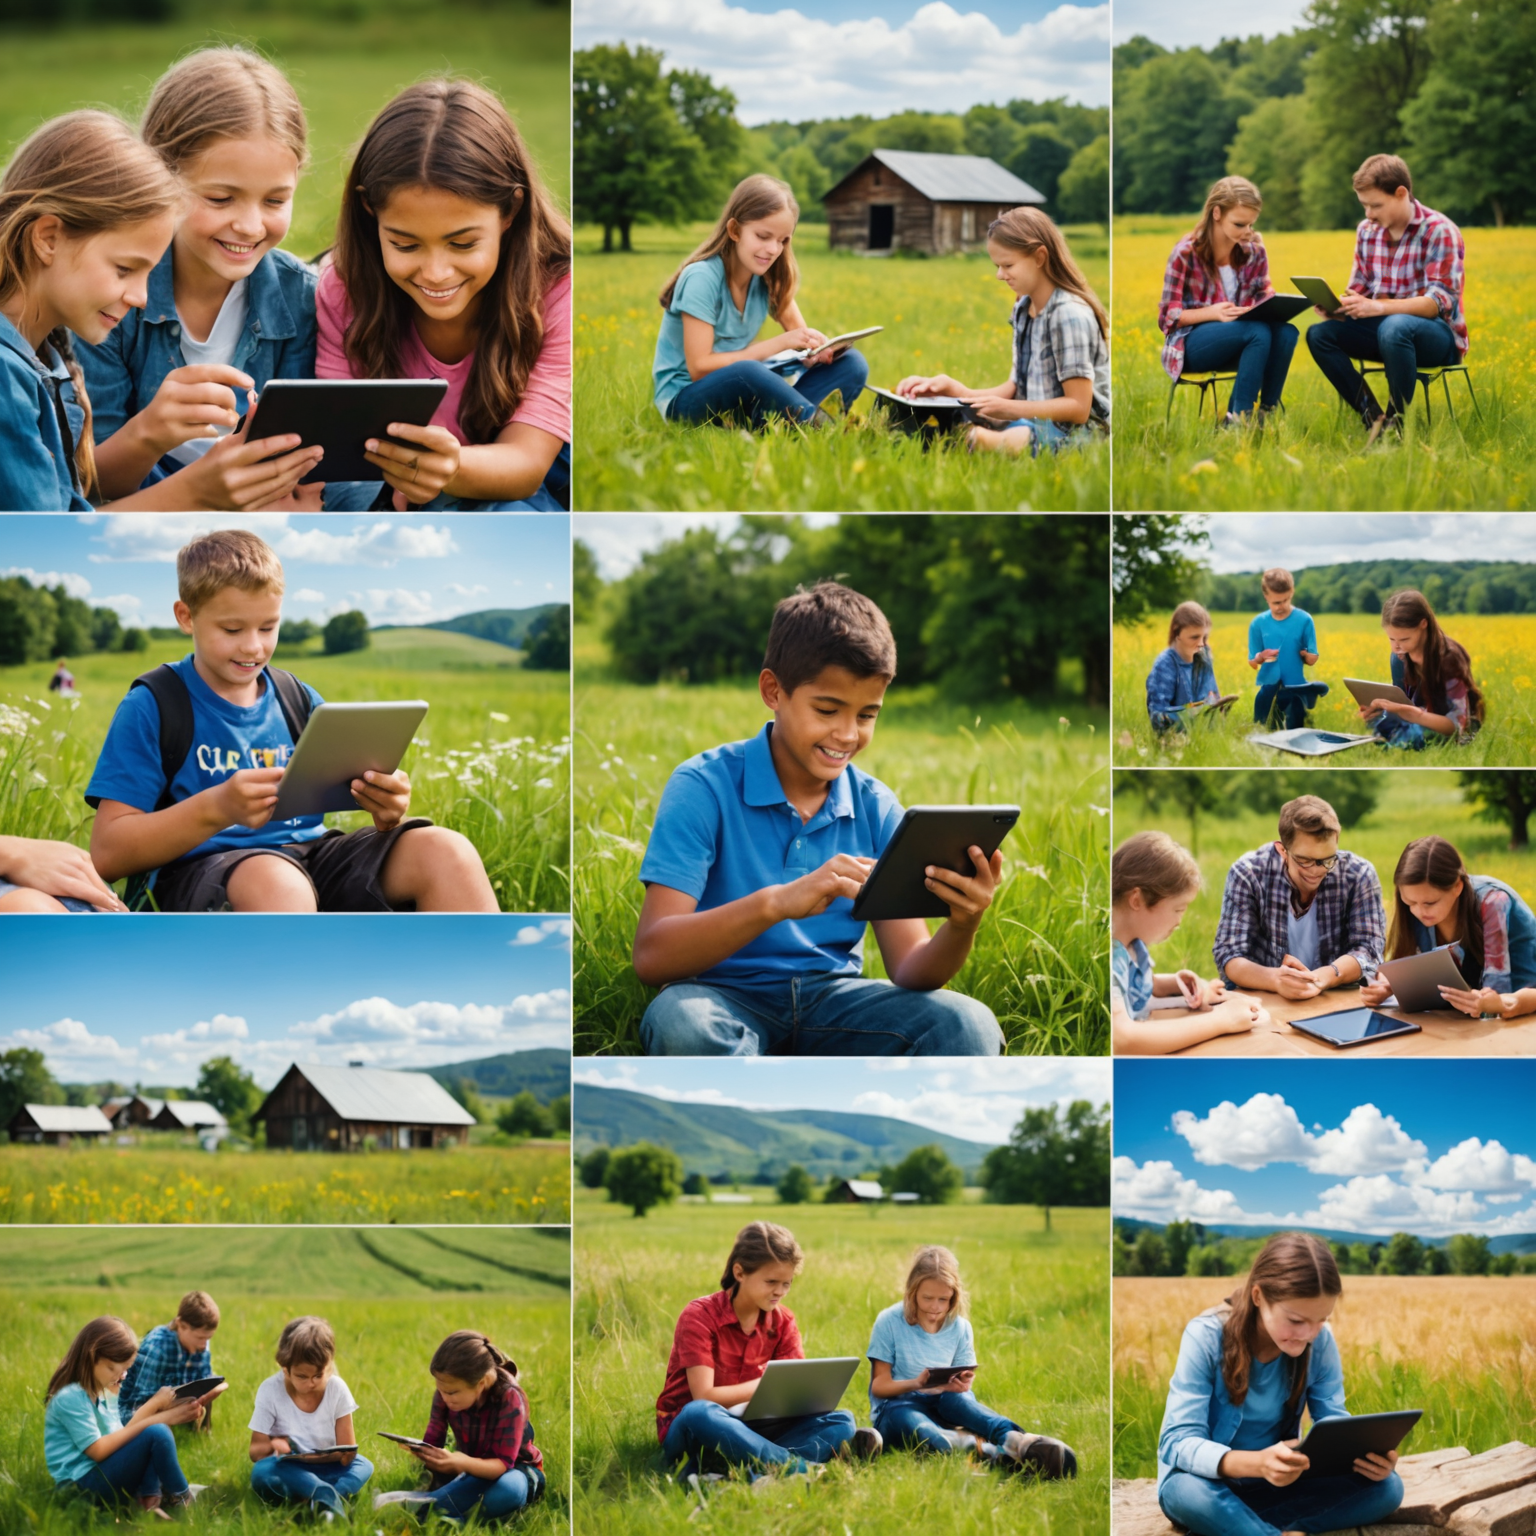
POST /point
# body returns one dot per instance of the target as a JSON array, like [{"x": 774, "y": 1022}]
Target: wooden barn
[
  {"x": 188, "y": 1115},
  {"x": 57, "y": 1125},
  {"x": 903, "y": 200},
  {"x": 125, "y": 1114},
  {"x": 855, "y": 1192},
  {"x": 337, "y": 1109}
]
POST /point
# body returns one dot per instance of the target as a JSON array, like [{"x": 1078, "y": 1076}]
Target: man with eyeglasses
[{"x": 1298, "y": 916}]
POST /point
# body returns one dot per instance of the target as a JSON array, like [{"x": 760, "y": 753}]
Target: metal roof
[
  {"x": 154, "y": 1106},
  {"x": 865, "y": 1189},
  {"x": 372, "y": 1093},
  {"x": 72, "y": 1119},
  {"x": 193, "y": 1113},
  {"x": 951, "y": 178}
]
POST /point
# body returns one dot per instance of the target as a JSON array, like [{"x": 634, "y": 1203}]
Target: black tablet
[
  {"x": 1278, "y": 308},
  {"x": 199, "y": 1388},
  {"x": 1333, "y": 1445},
  {"x": 1353, "y": 1026},
  {"x": 340, "y": 415},
  {"x": 942, "y": 1375},
  {"x": 929, "y": 834}
]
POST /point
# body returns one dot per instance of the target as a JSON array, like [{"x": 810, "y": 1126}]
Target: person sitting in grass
[
  {"x": 756, "y": 854},
  {"x": 42, "y": 874},
  {"x": 173, "y": 1354},
  {"x": 1281, "y": 644},
  {"x": 1182, "y": 681},
  {"x": 925, "y": 1333},
  {"x": 1298, "y": 916},
  {"x": 1402, "y": 306},
  {"x": 1433, "y": 670}
]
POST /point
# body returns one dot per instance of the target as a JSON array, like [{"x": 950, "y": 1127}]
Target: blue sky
[
  {"x": 1431, "y": 1147},
  {"x": 978, "y": 1098},
  {"x": 618, "y": 539},
  {"x": 1249, "y": 541},
  {"x": 399, "y": 569},
  {"x": 149, "y": 999},
  {"x": 1201, "y": 23}
]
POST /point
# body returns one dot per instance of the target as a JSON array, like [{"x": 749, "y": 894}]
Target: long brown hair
[
  {"x": 1225, "y": 195},
  {"x": 1436, "y": 861},
  {"x": 1444, "y": 659},
  {"x": 755, "y": 198},
  {"x": 1190, "y": 615},
  {"x": 103, "y": 1338},
  {"x": 91, "y": 172},
  {"x": 222, "y": 93},
  {"x": 456, "y": 136},
  {"x": 757, "y": 1244},
  {"x": 469, "y": 1357},
  {"x": 1029, "y": 230}
]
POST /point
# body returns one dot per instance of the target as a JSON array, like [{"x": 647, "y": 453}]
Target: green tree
[
  {"x": 1040, "y": 155},
  {"x": 28, "y": 621},
  {"x": 1436, "y": 1261},
  {"x": 549, "y": 642},
  {"x": 797, "y": 1186},
  {"x": 1207, "y": 1259},
  {"x": 1360, "y": 1260},
  {"x": 927, "y": 1173},
  {"x": 1157, "y": 562},
  {"x": 592, "y": 1169},
  {"x": 1181, "y": 1237},
  {"x": 560, "y": 1112},
  {"x": 1352, "y": 794},
  {"x": 1082, "y": 193},
  {"x": 1504, "y": 1264},
  {"x": 106, "y": 631},
  {"x": 296, "y": 632},
  {"x": 643, "y": 1176},
  {"x": 346, "y": 632},
  {"x": 523, "y": 1115},
  {"x": 1505, "y": 797},
  {"x": 1052, "y": 1159},
  {"x": 1189, "y": 793},
  {"x": 1405, "y": 1254},
  {"x": 1151, "y": 1253},
  {"x": 1469, "y": 1254},
  {"x": 224, "y": 1083},
  {"x": 1272, "y": 144},
  {"x": 134, "y": 640},
  {"x": 1173, "y": 122},
  {"x": 586, "y": 584},
  {"x": 25, "y": 1079},
  {"x": 696, "y": 1184}
]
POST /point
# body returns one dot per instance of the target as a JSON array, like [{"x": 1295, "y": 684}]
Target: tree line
[{"x": 39, "y": 623}]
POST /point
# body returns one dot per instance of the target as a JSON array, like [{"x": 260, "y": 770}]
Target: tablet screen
[{"x": 1354, "y": 1024}]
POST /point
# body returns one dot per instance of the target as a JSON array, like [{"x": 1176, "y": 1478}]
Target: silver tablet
[
  {"x": 1367, "y": 693},
  {"x": 1416, "y": 980},
  {"x": 340, "y": 743},
  {"x": 789, "y": 1389}
]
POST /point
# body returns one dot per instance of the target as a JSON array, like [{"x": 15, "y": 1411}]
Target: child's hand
[
  {"x": 57, "y": 869},
  {"x": 192, "y": 402},
  {"x": 281, "y": 1445},
  {"x": 419, "y": 473},
  {"x": 967, "y": 896},
  {"x": 385, "y": 796},
  {"x": 960, "y": 1382},
  {"x": 1227, "y": 310},
  {"x": 930, "y": 384},
  {"x": 183, "y": 1410},
  {"x": 1374, "y": 993},
  {"x": 438, "y": 1458},
  {"x": 804, "y": 338},
  {"x": 843, "y": 874},
  {"x": 994, "y": 410},
  {"x": 1192, "y": 989},
  {"x": 1238, "y": 1014},
  {"x": 1475, "y": 1002},
  {"x": 1282, "y": 1464},
  {"x": 1377, "y": 1466},
  {"x": 306, "y": 497},
  {"x": 237, "y": 475},
  {"x": 247, "y": 798}
]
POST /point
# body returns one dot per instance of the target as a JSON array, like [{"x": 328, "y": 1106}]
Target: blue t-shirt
[
  {"x": 1130, "y": 974},
  {"x": 1263, "y": 1409},
  {"x": 72, "y": 1421},
  {"x": 702, "y": 291},
  {"x": 725, "y": 829},
  {"x": 1290, "y": 636},
  {"x": 909, "y": 1349},
  {"x": 225, "y": 738}
]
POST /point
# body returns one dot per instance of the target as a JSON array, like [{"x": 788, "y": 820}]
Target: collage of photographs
[{"x": 704, "y": 510}]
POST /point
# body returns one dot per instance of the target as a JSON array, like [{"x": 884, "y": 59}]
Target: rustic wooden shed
[
  {"x": 125, "y": 1114},
  {"x": 188, "y": 1115},
  {"x": 336, "y": 1109},
  {"x": 58, "y": 1124},
  {"x": 854, "y": 1192},
  {"x": 903, "y": 200}
]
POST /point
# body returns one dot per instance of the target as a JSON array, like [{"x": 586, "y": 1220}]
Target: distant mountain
[
  {"x": 545, "y": 1073},
  {"x": 747, "y": 1143},
  {"x": 1514, "y": 1242},
  {"x": 503, "y": 626}
]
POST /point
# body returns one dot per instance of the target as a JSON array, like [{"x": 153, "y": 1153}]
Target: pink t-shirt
[{"x": 546, "y": 402}]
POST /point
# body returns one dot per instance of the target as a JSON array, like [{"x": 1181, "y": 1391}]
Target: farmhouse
[
  {"x": 127, "y": 1113},
  {"x": 855, "y": 1192},
  {"x": 58, "y": 1124},
  {"x": 347, "y": 1109},
  {"x": 188, "y": 1115},
  {"x": 901, "y": 200}
]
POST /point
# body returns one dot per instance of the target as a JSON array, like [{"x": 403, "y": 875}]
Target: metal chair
[
  {"x": 1426, "y": 377},
  {"x": 1202, "y": 382}
]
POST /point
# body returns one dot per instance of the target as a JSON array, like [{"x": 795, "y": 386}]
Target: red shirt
[
  {"x": 710, "y": 1333},
  {"x": 496, "y": 1428}
]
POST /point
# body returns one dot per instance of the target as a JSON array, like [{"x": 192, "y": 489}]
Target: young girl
[
  {"x": 1216, "y": 274},
  {"x": 1152, "y": 883},
  {"x": 85, "y": 1441},
  {"x": 497, "y": 1469},
  {"x": 39, "y": 874},
  {"x": 453, "y": 263},
  {"x": 305, "y": 1408},
  {"x": 1487, "y": 926},
  {"x": 1183, "y": 678},
  {"x": 1060, "y": 379},
  {"x": 708, "y": 364},
  {"x": 1433, "y": 670},
  {"x": 927, "y": 1331},
  {"x": 1227, "y": 1463},
  {"x": 719, "y": 1349},
  {"x": 227, "y": 310},
  {"x": 86, "y": 214}
]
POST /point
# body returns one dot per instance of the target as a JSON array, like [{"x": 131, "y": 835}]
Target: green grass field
[
  {"x": 1039, "y": 1307},
  {"x": 109, "y": 1185},
  {"x": 1314, "y": 455},
  {"x": 390, "y": 1296},
  {"x": 1352, "y": 645},
  {"x": 946, "y": 315},
  {"x": 1412, "y": 805},
  {"x": 1040, "y": 956},
  {"x": 490, "y": 760}
]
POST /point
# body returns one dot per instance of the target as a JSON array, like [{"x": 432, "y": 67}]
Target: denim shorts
[{"x": 69, "y": 903}]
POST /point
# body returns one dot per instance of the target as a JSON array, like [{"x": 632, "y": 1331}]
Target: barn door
[
  {"x": 882, "y": 226},
  {"x": 300, "y": 1134}
]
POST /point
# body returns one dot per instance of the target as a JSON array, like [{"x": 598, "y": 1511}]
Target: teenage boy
[
  {"x": 1280, "y": 644},
  {"x": 1299, "y": 917},
  {"x": 203, "y": 833},
  {"x": 1402, "y": 306},
  {"x": 172, "y": 1355},
  {"x": 759, "y": 848}
]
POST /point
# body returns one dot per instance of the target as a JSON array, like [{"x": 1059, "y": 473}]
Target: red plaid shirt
[
  {"x": 1187, "y": 285},
  {"x": 494, "y": 1429},
  {"x": 1431, "y": 259}
]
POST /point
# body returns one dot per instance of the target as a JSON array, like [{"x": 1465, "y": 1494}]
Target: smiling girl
[
  {"x": 452, "y": 262},
  {"x": 1183, "y": 678},
  {"x": 1227, "y": 1463},
  {"x": 709, "y": 366},
  {"x": 1060, "y": 379},
  {"x": 1433, "y": 670}
]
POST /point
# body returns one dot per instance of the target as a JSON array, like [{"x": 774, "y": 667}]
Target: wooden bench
[{"x": 1493, "y": 1494}]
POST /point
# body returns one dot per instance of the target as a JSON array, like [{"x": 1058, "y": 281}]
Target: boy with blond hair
[
  {"x": 173, "y": 1354},
  {"x": 1280, "y": 644}
]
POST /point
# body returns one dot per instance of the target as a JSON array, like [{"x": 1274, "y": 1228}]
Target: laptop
[{"x": 790, "y": 1389}]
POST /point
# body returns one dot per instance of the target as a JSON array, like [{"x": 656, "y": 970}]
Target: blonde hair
[
  {"x": 228, "y": 558},
  {"x": 89, "y": 171},
  {"x": 222, "y": 93},
  {"x": 103, "y": 1338},
  {"x": 1224, "y": 195},
  {"x": 754, "y": 198},
  {"x": 935, "y": 1263},
  {"x": 757, "y": 1244},
  {"x": 198, "y": 1310},
  {"x": 1187, "y": 616},
  {"x": 1155, "y": 865},
  {"x": 306, "y": 1341},
  {"x": 1029, "y": 230},
  {"x": 1277, "y": 580}
]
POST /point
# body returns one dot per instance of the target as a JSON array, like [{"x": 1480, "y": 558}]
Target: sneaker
[
  {"x": 1387, "y": 422},
  {"x": 184, "y": 1500},
  {"x": 1040, "y": 1454},
  {"x": 401, "y": 1496},
  {"x": 867, "y": 1443}
]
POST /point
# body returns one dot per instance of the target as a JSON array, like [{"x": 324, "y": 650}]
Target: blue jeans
[
  {"x": 146, "y": 1465},
  {"x": 1406, "y": 735},
  {"x": 321, "y": 1484},
  {"x": 496, "y": 1497},
  {"x": 1401, "y": 343},
  {"x": 554, "y": 495},
  {"x": 1261, "y": 352},
  {"x": 69, "y": 903},
  {"x": 1047, "y": 436},
  {"x": 919, "y": 1419},
  {"x": 1248, "y": 1506},
  {"x": 816, "y": 1016},
  {"x": 1289, "y": 701},
  {"x": 705, "y": 1429},
  {"x": 755, "y": 391}
]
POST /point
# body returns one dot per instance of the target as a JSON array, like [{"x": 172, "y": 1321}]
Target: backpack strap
[
  {"x": 293, "y": 698},
  {"x": 174, "y": 703}
]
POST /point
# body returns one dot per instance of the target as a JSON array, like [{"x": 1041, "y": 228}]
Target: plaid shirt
[
  {"x": 1187, "y": 285},
  {"x": 494, "y": 1429},
  {"x": 1430, "y": 259},
  {"x": 1259, "y": 900},
  {"x": 1062, "y": 342},
  {"x": 160, "y": 1362}
]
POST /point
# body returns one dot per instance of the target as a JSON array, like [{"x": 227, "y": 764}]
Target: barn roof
[
  {"x": 71, "y": 1119},
  {"x": 152, "y": 1106},
  {"x": 192, "y": 1113},
  {"x": 950, "y": 178},
  {"x": 372, "y": 1093},
  {"x": 865, "y": 1189}
]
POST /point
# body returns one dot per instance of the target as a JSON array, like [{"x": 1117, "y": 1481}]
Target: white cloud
[
  {"x": 128, "y": 536},
  {"x": 1267, "y": 1130},
  {"x": 557, "y": 928},
  {"x": 1487, "y": 1168},
  {"x": 126, "y": 605},
  {"x": 1380, "y": 1204},
  {"x": 1157, "y": 1191},
  {"x": 72, "y": 1051},
  {"x": 1367, "y": 1142},
  {"x": 382, "y": 543},
  {"x": 398, "y": 605},
  {"x": 1251, "y": 541},
  {"x": 460, "y": 590},
  {"x": 73, "y": 583},
  {"x": 306, "y": 595},
  {"x": 1194, "y": 23}
]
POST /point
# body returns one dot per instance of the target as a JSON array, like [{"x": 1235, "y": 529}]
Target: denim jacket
[
  {"x": 124, "y": 372},
  {"x": 1507, "y": 966},
  {"x": 1200, "y": 1420},
  {"x": 37, "y": 471}
]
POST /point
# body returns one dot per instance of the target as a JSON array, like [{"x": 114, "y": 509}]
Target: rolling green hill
[
  {"x": 546, "y": 1073},
  {"x": 749, "y": 1143},
  {"x": 500, "y": 626},
  {"x": 429, "y": 648}
]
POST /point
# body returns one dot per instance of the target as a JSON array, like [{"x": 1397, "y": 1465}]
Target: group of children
[
  {"x": 145, "y": 303},
  {"x": 1432, "y": 669},
  {"x": 113, "y": 1405}
]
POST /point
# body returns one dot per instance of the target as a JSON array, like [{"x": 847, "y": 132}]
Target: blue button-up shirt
[
  {"x": 161, "y": 1362},
  {"x": 36, "y": 463},
  {"x": 725, "y": 829}
]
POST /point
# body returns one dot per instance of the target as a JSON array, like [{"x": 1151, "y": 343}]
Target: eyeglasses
[{"x": 1326, "y": 865}]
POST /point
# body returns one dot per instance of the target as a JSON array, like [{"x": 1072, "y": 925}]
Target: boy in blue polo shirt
[
  {"x": 1280, "y": 644},
  {"x": 759, "y": 848}
]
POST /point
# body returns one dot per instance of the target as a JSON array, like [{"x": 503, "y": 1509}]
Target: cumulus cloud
[
  {"x": 71, "y": 1050},
  {"x": 126, "y": 605},
  {"x": 73, "y": 583},
  {"x": 1251, "y": 541},
  {"x": 555, "y": 930},
  {"x": 306, "y": 595},
  {"x": 460, "y": 590},
  {"x": 1267, "y": 1130},
  {"x": 125, "y": 536},
  {"x": 1381, "y": 1204},
  {"x": 397, "y": 605},
  {"x": 381, "y": 543},
  {"x": 1157, "y": 1191},
  {"x": 1486, "y": 1168}
]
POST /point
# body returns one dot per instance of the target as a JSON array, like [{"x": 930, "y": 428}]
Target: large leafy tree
[
  {"x": 224, "y": 1083},
  {"x": 1157, "y": 563},
  {"x": 643, "y": 1176},
  {"x": 25, "y": 1079},
  {"x": 1052, "y": 1159},
  {"x": 928, "y": 1173}
]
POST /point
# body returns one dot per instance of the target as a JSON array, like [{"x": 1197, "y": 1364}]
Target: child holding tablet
[
  {"x": 1183, "y": 678},
  {"x": 1433, "y": 670}
]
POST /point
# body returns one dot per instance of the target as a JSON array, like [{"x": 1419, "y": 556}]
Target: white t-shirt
[
  {"x": 276, "y": 1413},
  {"x": 220, "y": 347},
  {"x": 1228, "y": 276}
]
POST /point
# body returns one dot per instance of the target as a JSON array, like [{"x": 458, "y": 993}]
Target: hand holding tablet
[{"x": 341, "y": 416}]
